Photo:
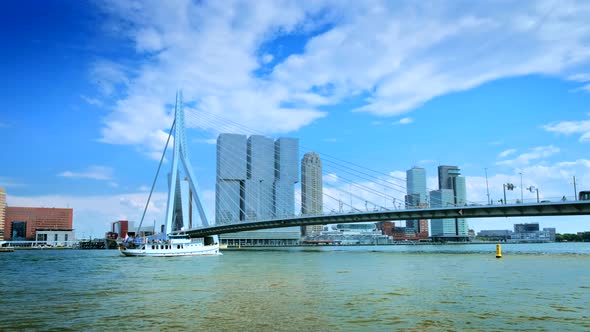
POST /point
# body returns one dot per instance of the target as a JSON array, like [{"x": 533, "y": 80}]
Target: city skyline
[{"x": 89, "y": 88}]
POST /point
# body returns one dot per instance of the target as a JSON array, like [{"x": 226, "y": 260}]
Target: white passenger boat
[{"x": 175, "y": 245}]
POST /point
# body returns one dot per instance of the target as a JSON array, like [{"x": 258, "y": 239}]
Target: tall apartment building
[
  {"x": 416, "y": 194},
  {"x": 452, "y": 192},
  {"x": 311, "y": 189},
  {"x": 2, "y": 212},
  {"x": 256, "y": 176},
  {"x": 231, "y": 177}
]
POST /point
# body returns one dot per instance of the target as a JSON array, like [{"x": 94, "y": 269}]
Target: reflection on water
[{"x": 417, "y": 288}]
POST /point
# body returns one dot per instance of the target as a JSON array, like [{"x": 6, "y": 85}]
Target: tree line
[{"x": 580, "y": 237}]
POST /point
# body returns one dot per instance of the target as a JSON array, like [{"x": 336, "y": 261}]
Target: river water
[{"x": 374, "y": 288}]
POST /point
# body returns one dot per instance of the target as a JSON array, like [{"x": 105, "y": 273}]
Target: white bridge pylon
[{"x": 182, "y": 193}]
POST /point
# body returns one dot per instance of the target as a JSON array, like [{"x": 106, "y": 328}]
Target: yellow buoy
[{"x": 498, "y": 251}]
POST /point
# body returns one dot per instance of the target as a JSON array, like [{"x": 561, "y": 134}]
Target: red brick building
[
  {"x": 121, "y": 227},
  {"x": 21, "y": 223},
  {"x": 386, "y": 227},
  {"x": 400, "y": 233}
]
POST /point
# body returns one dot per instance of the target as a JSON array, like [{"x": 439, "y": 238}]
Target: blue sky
[{"x": 87, "y": 90}]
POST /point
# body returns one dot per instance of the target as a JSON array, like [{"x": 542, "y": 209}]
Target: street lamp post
[
  {"x": 575, "y": 189},
  {"x": 521, "y": 191},
  {"x": 531, "y": 189},
  {"x": 508, "y": 186},
  {"x": 487, "y": 187}
]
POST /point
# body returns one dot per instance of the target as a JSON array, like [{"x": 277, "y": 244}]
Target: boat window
[
  {"x": 178, "y": 246},
  {"x": 152, "y": 247}
]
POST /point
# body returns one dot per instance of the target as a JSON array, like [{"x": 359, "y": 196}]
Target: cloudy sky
[{"x": 501, "y": 87}]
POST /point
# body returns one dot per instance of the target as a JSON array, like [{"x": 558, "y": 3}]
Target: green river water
[{"x": 541, "y": 287}]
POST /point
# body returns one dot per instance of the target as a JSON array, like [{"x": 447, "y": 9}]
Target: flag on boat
[{"x": 126, "y": 237}]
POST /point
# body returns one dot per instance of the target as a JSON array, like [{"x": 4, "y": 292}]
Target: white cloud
[
  {"x": 403, "y": 121},
  {"x": 330, "y": 178},
  {"x": 397, "y": 55},
  {"x": 412, "y": 53},
  {"x": 571, "y": 127},
  {"x": 506, "y": 153},
  {"x": 91, "y": 101},
  {"x": 581, "y": 77},
  {"x": 7, "y": 182},
  {"x": 538, "y": 153},
  {"x": 267, "y": 58},
  {"x": 92, "y": 172},
  {"x": 148, "y": 40},
  {"x": 108, "y": 75}
]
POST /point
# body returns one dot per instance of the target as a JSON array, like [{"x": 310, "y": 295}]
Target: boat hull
[{"x": 171, "y": 251}]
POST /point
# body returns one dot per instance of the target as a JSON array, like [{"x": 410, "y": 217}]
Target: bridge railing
[{"x": 509, "y": 201}]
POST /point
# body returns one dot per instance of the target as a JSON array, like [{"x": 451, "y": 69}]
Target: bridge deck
[{"x": 480, "y": 211}]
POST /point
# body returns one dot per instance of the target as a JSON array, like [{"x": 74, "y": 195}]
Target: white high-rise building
[
  {"x": 286, "y": 175},
  {"x": 442, "y": 227},
  {"x": 416, "y": 186},
  {"x": 255, "y": 181},
  {"x": 452, "y": 192},
  {"x": 231, "y": 178},
  {"x": 416, "y": 193},
  {"x": 311, "y": 189}
]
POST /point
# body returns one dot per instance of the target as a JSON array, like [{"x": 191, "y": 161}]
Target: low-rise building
[{"x": 23, "y": 223}]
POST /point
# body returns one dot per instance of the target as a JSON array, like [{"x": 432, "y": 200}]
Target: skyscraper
[
  {"x": 449, "y": 180},
  {"x": 442, "y": 227},
  {"x": 261, "y": 175},
  {"x": 2, "y": 212},
  {"x": 256, "y": 176},
  {"x": 416, "y": 186},
  {"x": 231, "y": 178},
  {"x": 311, "y": 189},
  {"x": 416, "y": 197}
]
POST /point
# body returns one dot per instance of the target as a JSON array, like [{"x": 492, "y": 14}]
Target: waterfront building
[
  {"x": 452, "y": 192},
  {"x": 526, "y": 227},
  {"x": 231, "y": 177},
  {"x": 255, "y": 180},
  {"x": 386, "y": 227},
  {"x": 350, "y": 234},
  {"x": 286, "y": 175},
  {"x": 122, "y": 228},
  {"x": 440, "y": 228},
  {"x": 529, "y": 232},
  {"x": 495, "y": 234},
  {"x": 22, "y": 223},
  {"x": 311, "y": 189},
  {"x": 416, "y": 193},
  {"x": 416, "y": 187},
  {"x": 2, "y": 212},
  {"x": 55, "y": 236}
]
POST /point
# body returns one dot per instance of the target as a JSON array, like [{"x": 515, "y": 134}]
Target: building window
[
  {"x": 66, "y": 237},
  {"x": 55, "y": 237},
  {"x": 19, "y": 230}
]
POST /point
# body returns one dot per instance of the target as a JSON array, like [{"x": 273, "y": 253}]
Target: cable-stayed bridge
[
  {"x": 488, "y": 211},
  {"x": 251, "y": 194}
]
